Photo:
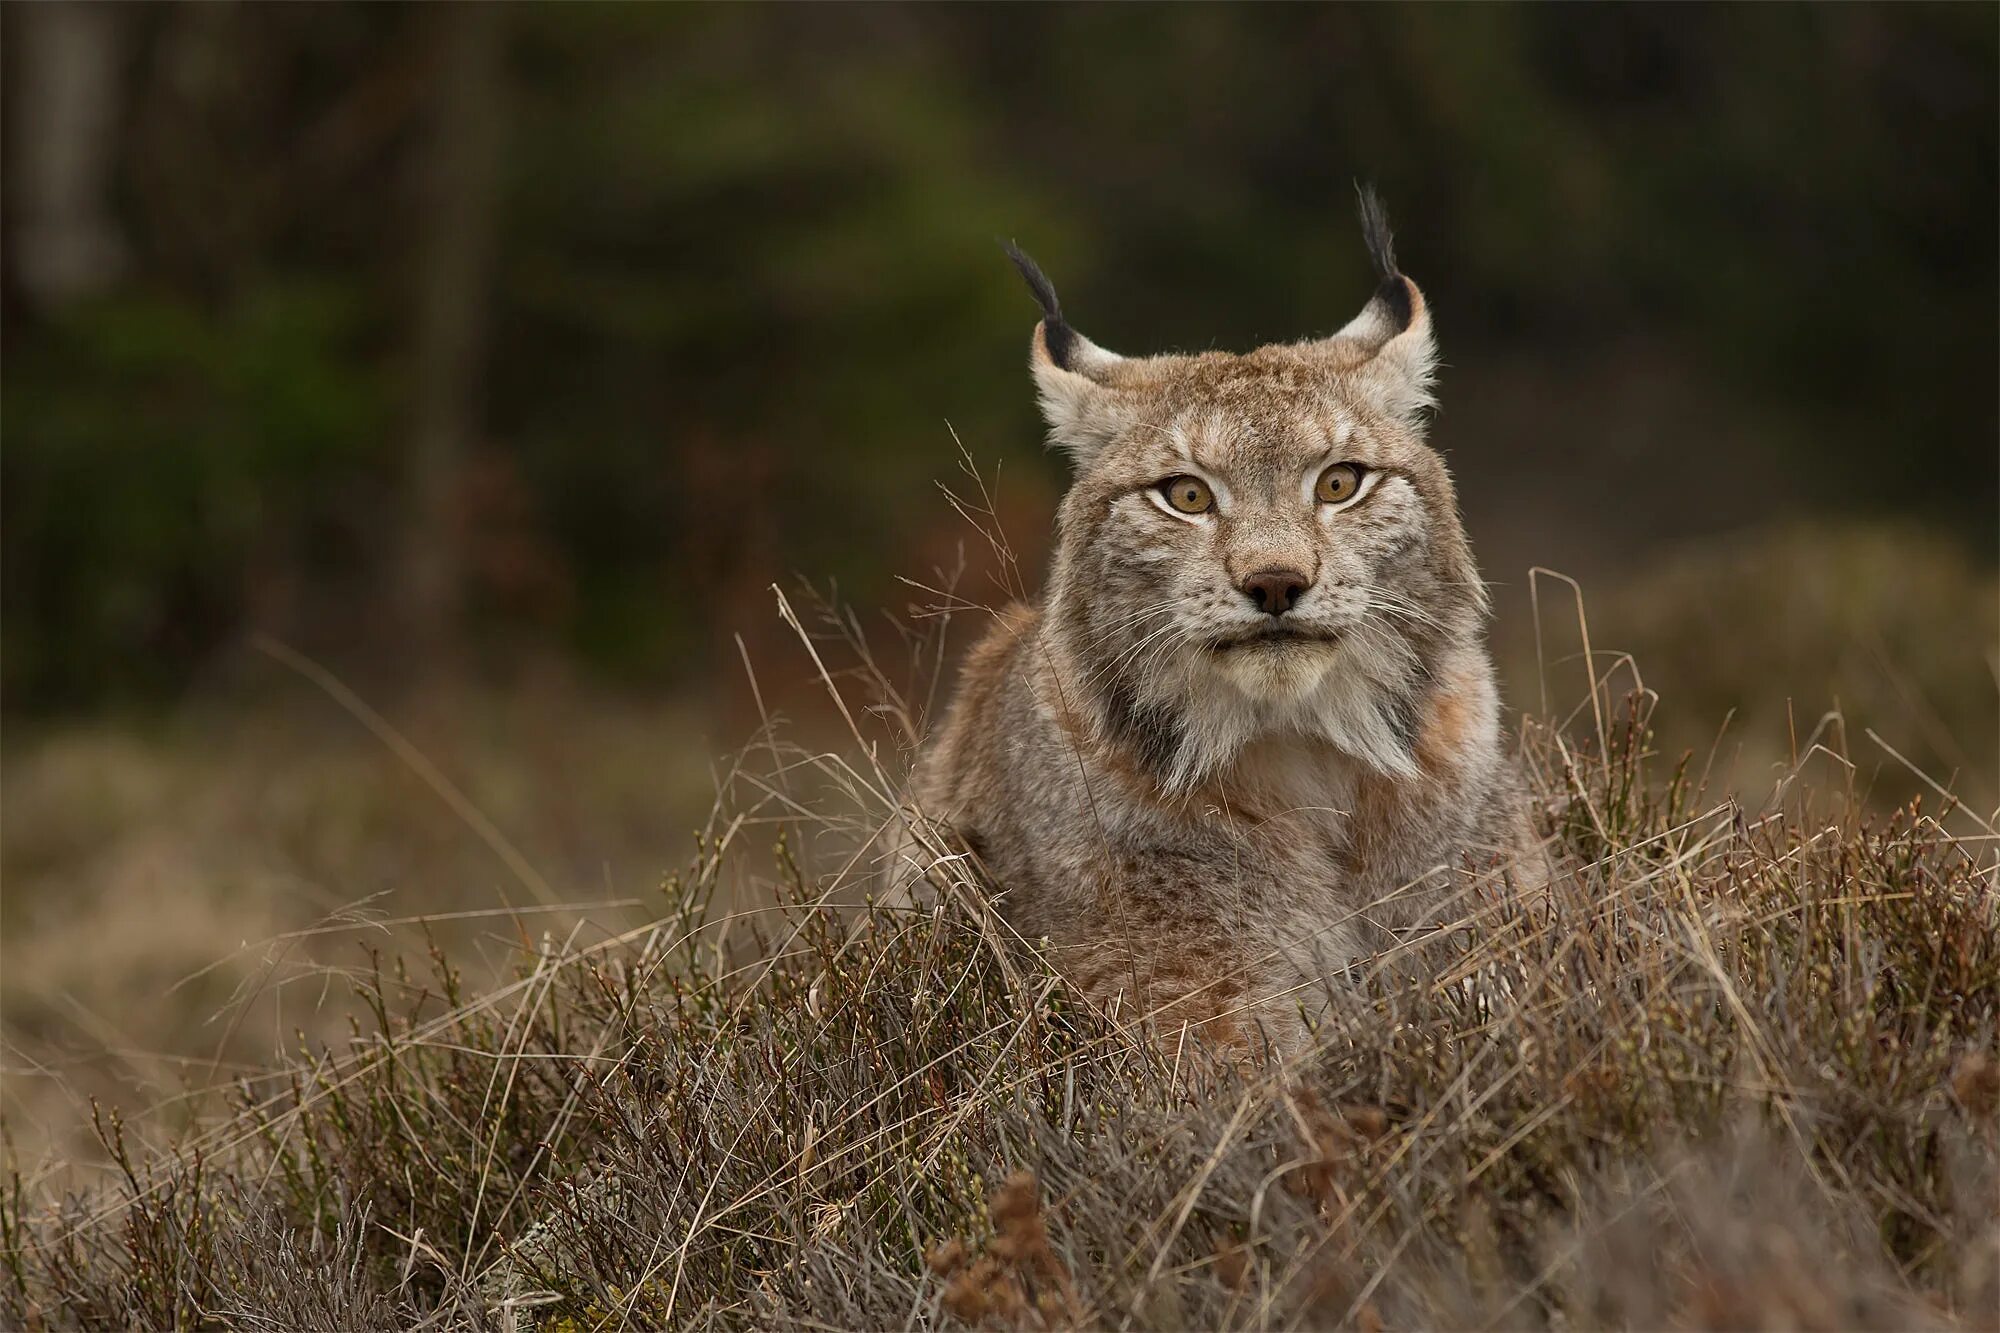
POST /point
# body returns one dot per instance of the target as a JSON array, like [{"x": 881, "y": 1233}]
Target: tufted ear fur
[
  {"x": 1385, "y": 354},
  {"x": 1077, "y": 381}
]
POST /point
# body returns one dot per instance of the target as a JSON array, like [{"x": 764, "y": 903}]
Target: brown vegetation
[{"x": 1735, "y": 1071}]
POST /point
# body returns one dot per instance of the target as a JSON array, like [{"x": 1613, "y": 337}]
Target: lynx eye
[
  {"x": 1338, "y": 483},
  {"x": 1190, "y": 495}
]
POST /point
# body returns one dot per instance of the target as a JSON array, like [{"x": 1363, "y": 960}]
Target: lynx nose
[{"x": 1276, "y": 591}]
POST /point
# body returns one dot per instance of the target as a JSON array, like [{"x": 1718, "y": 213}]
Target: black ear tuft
[
  {"x": 1381, "y": 243},
  {"x": 1375, "y": 233},
  {"x": 1055, "y": 331}
]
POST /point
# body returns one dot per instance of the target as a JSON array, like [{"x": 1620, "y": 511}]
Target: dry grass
[
  {"x": 1753, "y": 637},
  {"x": 184, "y": 898},
  {"x": 1739, "y": 1069}
]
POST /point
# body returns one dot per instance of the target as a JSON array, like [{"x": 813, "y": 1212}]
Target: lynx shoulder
[{"x": 1249, "y": 736}]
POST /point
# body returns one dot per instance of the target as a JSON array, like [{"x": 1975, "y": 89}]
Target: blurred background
[{"x": 495, "y": 361}]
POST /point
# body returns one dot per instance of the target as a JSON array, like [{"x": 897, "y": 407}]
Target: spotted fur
[{"x": 1205, "y": 822}]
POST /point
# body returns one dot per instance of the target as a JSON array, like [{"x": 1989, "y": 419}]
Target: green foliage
[{"x": 201, "y": 451}]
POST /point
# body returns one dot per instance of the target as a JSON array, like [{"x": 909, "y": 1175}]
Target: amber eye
[
  {"x": 1190, "y": 495},
  {"x": 1338, "y": 483}
]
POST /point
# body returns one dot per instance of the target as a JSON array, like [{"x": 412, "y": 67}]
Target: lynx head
[{"x": 1255, "y": 543}]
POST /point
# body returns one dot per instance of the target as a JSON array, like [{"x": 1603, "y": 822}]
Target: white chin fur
[
  {"x": 1276, "y": 673},
  {"x": 1341, "y": 694}
]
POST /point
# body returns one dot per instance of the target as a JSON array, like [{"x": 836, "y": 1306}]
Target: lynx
[{"x": 1249, "y": 737}]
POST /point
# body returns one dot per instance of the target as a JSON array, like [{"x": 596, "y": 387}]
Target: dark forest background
[
  {"x": 499, "y": 359},
  {"x": 450, "y": 336}
]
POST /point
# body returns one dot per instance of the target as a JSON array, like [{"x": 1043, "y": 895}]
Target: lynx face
[{"x": 1257, "y": 543}]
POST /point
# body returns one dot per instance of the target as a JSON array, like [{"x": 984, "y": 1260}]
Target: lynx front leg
[{"x": 1198, "y": 982}]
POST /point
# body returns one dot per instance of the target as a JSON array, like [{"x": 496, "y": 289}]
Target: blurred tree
[
  {"x": 457, "y": 220},
  {"x": 66, "y": 243}
]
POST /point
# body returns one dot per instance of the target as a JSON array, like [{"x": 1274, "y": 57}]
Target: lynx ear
[
  {"x": 1386, "y": 354},
  {"x": 1074, "y": 377}
]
